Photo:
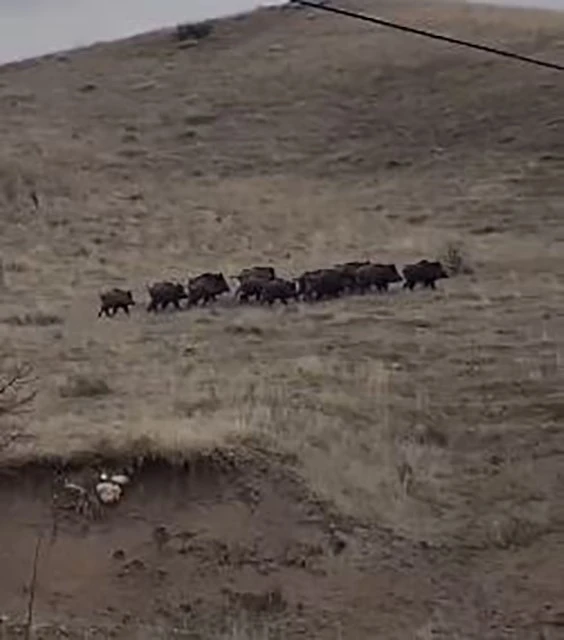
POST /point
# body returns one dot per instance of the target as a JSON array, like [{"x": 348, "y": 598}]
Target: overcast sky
[{"x": 34, "y": 27}]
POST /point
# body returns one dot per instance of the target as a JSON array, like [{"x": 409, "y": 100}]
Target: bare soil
[
  {"x": 379, "y": 466},
  {"x": 244, "y": 547}
]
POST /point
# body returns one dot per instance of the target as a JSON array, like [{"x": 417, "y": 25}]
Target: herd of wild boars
[{"x": 262, "y": 285}]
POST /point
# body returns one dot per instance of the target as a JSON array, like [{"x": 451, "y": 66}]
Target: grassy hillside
[{"x": 301, "y": 140}]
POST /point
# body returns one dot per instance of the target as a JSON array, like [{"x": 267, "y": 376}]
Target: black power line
[{"x": 428, "y": 34}]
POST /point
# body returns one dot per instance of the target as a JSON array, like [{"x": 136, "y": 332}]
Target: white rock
[
  {"x": 120, "y": 479},
  {"x": 108, "y": 492}
]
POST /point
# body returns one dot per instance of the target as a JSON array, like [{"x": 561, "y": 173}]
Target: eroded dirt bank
[
  {"x": 200, "y": 548},
  {"x": 195, "y": 547}
]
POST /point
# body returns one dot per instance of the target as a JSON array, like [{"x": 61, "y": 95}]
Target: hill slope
[{"x": 431, "y": 418}]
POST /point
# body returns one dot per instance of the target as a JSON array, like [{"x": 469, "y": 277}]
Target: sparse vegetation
[
  {"x": 514, "y": 531},
  {"x": 422, "y": 427},
  {"x": 16, "y": 388},
  {"x": 17, "y": 393},
  {"x": 33, "y": 319},
  {"x": 84, "y": 386},
  {"x": 455, "y": 259}
]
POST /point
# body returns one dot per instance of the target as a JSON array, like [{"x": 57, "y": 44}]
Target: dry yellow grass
[{"x": 302, "y": 140}]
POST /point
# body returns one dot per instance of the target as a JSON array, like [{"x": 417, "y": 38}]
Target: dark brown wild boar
[
  {"x": 304, "y": 283},
  {"x": 206, "y": 287},
  {"x": 114, "y": 300},
  {"x": 256, "y": 273},
  {"x": 377, "y": 275},
  {"x": 164, "y": 293},
  {"x": 424, "y": 272},
  {"x": 322, "y": 283},
  {"x": 349, "y": 271},
  {"x": 278, "y": 289},
  {"x": 250, "y": 288}
]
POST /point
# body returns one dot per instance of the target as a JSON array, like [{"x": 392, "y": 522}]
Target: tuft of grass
[
  {"x": 35, "y": 319},
  {"x": 84, "y": 386},
  {"x": 515, "y": 531},
  {"x": 242, "y": 629}
]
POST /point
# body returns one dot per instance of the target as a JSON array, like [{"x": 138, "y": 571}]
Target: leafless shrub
[
  {"x": 16, "y": 395},
  {"x": 16, "y": 392},
  {"x": 455, "y": 259},
  {"x": 32, "y": 589}
]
